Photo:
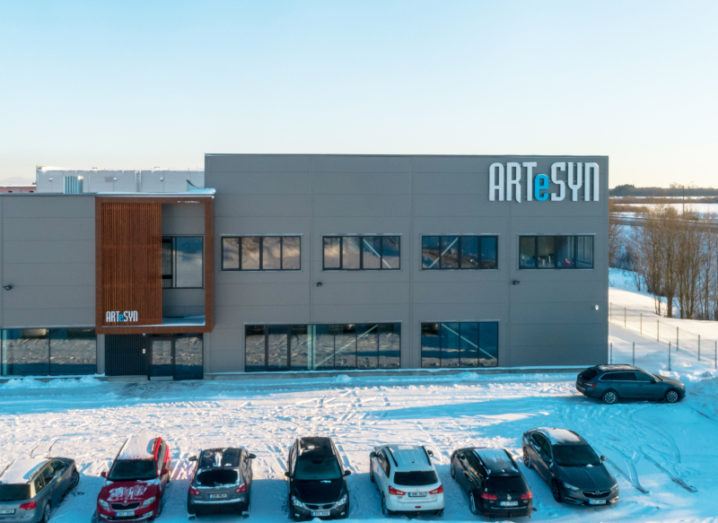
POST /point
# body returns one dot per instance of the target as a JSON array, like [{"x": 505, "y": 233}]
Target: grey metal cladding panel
[
  {"x": 327, "y": 226},
  {"x": 339, "y": 183},
  {"x": 259, "y": 183},
  {"x": 365, "y": 293},
  {"x": 288, "y": 163},
  {"x": 49, "y": 274},
  {"x": 238, "y": 278},
  {"x": 452, "y": 183},
  {"x": 358, "y": 164},
  {"x": 41, "y": 297},
  {"x": 571, "y": 354},
  {"x": 232, "y": 225},
  {"x": 258, "y": 205},
  {"x": 365, "y": 313},
  {"x": 481, "y": 311},
  {"x": 31, "y": 228},
  {"x": 557, "y": 312},
  {"x": 363, "y": 205},
  {"x": 450, "y": 164},
  {"x": 57, "y": 317},
  {"x": 439, "y": 225},
  {"x": 41, "y": 206},
  {"x": 548, "y": 223},
  {"x": 567, "y": 333},
  {"x": 460, "y": 205},
  {"x": 260, "y": 294},
  {"x": 183, "y": 226},
  {"x": 230, "y": 316},
  {"x": 465, "y": 290},
  {"x": 49, "y": 251}
]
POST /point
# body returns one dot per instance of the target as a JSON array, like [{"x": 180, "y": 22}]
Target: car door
[
  {"x": 646, "y": 388},
  {"x": 465, "y": 471},
  {"x": 62, "y": 475},
  {"x": 384, "y": 471},
  {"x": 543, "y": 450},
  {"x": 475, "y": 473},
  {"x": 52, "y": 490},
  {"x": 43, "y": 494}
]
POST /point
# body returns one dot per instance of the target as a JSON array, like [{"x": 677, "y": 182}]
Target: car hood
[
  {"x": 587, "y": 478},
  {"x": 318, "y": 491},
  {"x": 126, "y": 492},
  {"x": 673, "y": 382}
]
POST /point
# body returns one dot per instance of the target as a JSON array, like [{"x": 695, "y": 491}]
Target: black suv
[
  {"x": 573, "y": 470},
  {"x": 610, "y": 383},
  {"x": 492, "y": 480},
  {"x": 317, "y": 485}
]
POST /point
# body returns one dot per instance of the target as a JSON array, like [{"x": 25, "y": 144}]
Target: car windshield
[
  {"x": 217, "y": 477},
  {"x": 14, "y": 492},
  {"x": 132, "y": 469},
  {"x": 317, "y": 468},
  {"x": 416, "y": 478},
  {"x": 575, "y": 456}
]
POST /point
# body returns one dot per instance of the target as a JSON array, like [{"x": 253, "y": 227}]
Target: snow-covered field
[{"x": 659, "y": 453}]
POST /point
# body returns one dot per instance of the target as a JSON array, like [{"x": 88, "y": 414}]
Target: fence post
[
  {"x": 677, "y": 329},
  {"x": 699, "y": 347},
  {"x": 625, "y": 317},
  {"x": 641, "y": 324},
  {"x": 669, "y": 355},
  {"x": 633, "y": 352}
]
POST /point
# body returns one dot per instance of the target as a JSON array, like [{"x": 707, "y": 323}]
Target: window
[
  {"x": 261, "y": 253},
  {"x": 459, "y": 344},
  {"x": 361, "y": 252},
  {"x": 556, "y": 252},
  {"x": 322, "y": 347},
  {"x": 459, "y": 252},
  {"x": 42, "y": 352},
  {"x": 182, "y": 262}
]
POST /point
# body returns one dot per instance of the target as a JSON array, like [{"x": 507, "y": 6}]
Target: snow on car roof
[
  {"x": 496, "y": 460},
  {"x": 410, "y": 457},
  {"x": 22, "y": 470},
  {"x": 138, "y": 446},
  {"x": 562, "y": 435},
  {"x": 220, "y": 457}
]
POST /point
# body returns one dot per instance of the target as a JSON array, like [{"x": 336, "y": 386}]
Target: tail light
[
  {"x": 396, "y": 492},
  {"x": 526, "y": 496},
  {"x": 30, "y": 505},
  {"x": 489, "y": 496},
  {"x": 242, "y": 489},
  {"x": 193, "y": 491},
  {"x": 438, "y": 490}
]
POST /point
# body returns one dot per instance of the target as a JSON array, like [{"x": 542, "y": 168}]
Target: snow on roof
[
  {"x": 562, "y": 435},
  {"x": 138, "y": 446},
  {"x": 496, "y": 460},
  {"x": 410, "y": 457},
  {"x": 22, "y": 470}
]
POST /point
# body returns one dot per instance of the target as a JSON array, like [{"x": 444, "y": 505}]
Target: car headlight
[
  {"x": 568, "y": 486},
  {"x": 104, "y": 504},
  {"x": 297, "y": 503},
  {"x": 149, "y": 501},
  {"x": 342, "y": 500}
]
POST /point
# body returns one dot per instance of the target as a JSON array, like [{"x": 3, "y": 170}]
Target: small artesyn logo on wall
[
  {"x": 122, "y": 316},
  {"x": 517, "y": 182}
]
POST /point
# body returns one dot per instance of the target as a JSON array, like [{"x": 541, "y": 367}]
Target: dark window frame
[
  {"x": 479, "y": 238},
  {"x": 361, "y": 238},
  {"x": 555, "y": 265},
  {"x": 173, "y": 253},
  {"x": 441, "y": 348},
  {"x": 261, "y": 252}
]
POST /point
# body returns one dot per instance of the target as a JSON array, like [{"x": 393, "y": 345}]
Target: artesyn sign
[
  {"x": 519, "y": 182},
  {"x": 122, "y": 316}
]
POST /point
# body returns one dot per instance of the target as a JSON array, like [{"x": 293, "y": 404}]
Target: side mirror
[
  {"x": 287, "y": 474},
  {"x": 430, "y": 453},
  {"x": 602, "y": 458},
  {"x": 372, "y": 454},
  {"x": 192, "y": 458},
  {"x": 103, "y": 474},
  {"x": 347, "y": 472},
  {"x": 251, "y": 456}
]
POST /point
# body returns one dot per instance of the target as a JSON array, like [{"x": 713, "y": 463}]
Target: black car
[
  {"x": 492, "y": 480},
  {"x": 610, "y": 383},
  {"x": 573, "y": 470},
  {"x": 222, "y": 481},
  {"x": 317, "y": 485}
]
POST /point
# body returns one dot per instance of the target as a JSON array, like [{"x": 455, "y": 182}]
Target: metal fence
[{"x": 677, "y": 341}]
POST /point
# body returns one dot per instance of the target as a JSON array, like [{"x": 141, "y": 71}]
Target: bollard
[
  {"x": 699, "y": 347},
  {"x": 669, "y": 355},
  {"x": 633, "y": 352}
]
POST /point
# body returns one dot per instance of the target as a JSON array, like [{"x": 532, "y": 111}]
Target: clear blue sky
[{"x": 133, "y": 84}]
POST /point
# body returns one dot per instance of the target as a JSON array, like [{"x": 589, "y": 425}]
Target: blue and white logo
[{"x": 517, "y": 182}]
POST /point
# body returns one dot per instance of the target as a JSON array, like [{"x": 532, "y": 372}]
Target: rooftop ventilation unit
[{"x": 73, "y": 185}]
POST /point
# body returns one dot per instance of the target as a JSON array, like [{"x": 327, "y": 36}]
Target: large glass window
[
  {"x": 361, "y": 252},
  {"x": 42, "y": 352},
  {"x": 459, "y": 344},
  {"x": 73, "y": 351},
  {"x": 459, "y": 252},
  {"x": 556, "y": 252},
  {"x": 182, "y": 262},
  {"x": 322, "y": 347},
  {"x": 261, "y": 253},
  {"x": 188, "y": 357}
]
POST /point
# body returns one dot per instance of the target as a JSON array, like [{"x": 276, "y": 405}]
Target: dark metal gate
[{"x": 126, "y": 355}]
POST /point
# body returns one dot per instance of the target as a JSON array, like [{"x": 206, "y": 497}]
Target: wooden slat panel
[{"x": 129, "y": 271}]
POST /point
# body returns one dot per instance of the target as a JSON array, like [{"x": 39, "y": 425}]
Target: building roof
[
  {"x": 138, "y": 446},
  {"x": 410, "y": 457},
  {"x": 21, "y": 470}
]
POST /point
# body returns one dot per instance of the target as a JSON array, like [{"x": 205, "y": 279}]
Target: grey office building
[{"x": 313, "y": 262}]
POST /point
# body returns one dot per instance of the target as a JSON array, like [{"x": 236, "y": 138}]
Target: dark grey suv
[
  {"x": 573, "y": 470},
  {"x": 31, "y": 488},
  {"x": 610, "y": 383}
]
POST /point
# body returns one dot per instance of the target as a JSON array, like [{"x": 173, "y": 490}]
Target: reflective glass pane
[
  {"x": 277, "y": 347},
  {"x": 565, "y": 252},
  {"x": 489, "y": 252},
  {"x": 345, "y": 347},
  {"x": 351, "y": 252},
  {"x": 161, "y": 357},
  {"x": 188, "y": 261},
  {"x": 371, "y": 252},
  {"x": 230, "y": 254},
  {"x": 545, "y": 252},
  {"x": 26, "y": 352},
  {"x": 324, "y": 348},
  {"x": 391, "y": 252},
  {"x": 291, "y": 255},
  {"x": 430, "y": 345},
  {"x": 488, "y": 344},
  {"x": 584, "y": 252},
  {"x": 298, "y": 347},
  {"x": 73, "y": 351},
  {"x": 332, "y": 252},
  {"x": 449, "y": 252},
  {"x": 527, "y": 252},
  {"x": 430, "y": 252},
  {"x": 469, "y": 252},
  {"x": 450, "y": 345},
  {"x": 469, "y": 343},
  {"x": 271, "y": 253},
  {"x": 188, "y": 357},
  {"x": 250, "y": 253},
  {"x": 367, "y": 346},
  {"x": 389, "y": 345},
  {"x": 166, "y": 262},
  {"x": 254, "y": 347}
]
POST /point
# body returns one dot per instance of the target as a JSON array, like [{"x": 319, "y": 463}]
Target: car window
[
  {"x": 47, "y": 473},
  {"x": 161, "y": 456},
  {"x": 57, "y": 466},
  {"x": 314, "y": 466},
  {"x": 415, "y": 478},
  {"x": 39, "y": 483},
  {"x": 475, "y": 464},
  {"x": 384, "y": 462},
  {"x": 132, "y": 470},
  {"x": 619, "y": 376},
  {"x": 544, "y": 447},
  {"x": 576, "y": 456},
  {"x": 18, "y": 492},
  {"x": 643, "y": 377}
]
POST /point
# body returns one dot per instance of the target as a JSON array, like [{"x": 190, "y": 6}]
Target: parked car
[
  {"x": 492, "y": 481},
  {"x": 317, "y": 484},
  {"x": 221, "y": 482},
  {"x": 610, "y": 383},
  {"x": 136, "y": 481},
  {"x": 406, "y": 479},
  {"x": 572, "y": 469},
  {"x": 31, "y": 488}
]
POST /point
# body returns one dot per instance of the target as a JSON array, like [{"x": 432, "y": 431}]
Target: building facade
[{"x": 313, "y": 262}]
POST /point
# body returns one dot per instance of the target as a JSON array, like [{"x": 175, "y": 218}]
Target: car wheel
[
  {"x": 75, "y": 479},
  {"x": 384, "y": 509},
  {"x": 472, "y": 504},
  {"x": 527, "y": 460},
  {"x": 556, "y": 491},
  {"x": 371, "y": 476},
  {"x": 452, "y": 471},
  {"x": 609, "y": 397},
  {"x": 46, "y": 514},
  {"x": 672, "y": 396}
]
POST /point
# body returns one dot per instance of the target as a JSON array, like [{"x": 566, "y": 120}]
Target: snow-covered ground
[{"x": 659, "y": 453}]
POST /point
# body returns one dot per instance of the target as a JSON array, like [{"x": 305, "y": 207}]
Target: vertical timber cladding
[{"x": 129, "y": 264}]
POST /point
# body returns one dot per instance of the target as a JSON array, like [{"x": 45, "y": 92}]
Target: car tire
[
  {"x": 672, "y": 396},
  {"x": 46, "y": 514},
  {"x": 609, "y": 397},
  {"x": 472, "y": 504},
  {"x": 527, "y": 460},
  {"x": 75, "y": 479},
  {"x": 371, "y": 476},
  {"x": 384, "y": 510},
  {"x": 191, "y": 510},
  {"x": 556, "y": 491},
  {"x": 452, "y": 471}
]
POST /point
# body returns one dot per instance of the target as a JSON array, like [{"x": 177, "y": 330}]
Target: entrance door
[{"x": 161, "y": 358}]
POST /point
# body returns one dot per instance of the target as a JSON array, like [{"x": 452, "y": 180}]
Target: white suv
[{"x": 406, "y": 479}]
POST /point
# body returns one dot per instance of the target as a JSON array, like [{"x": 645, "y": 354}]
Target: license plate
[
  {"x": 509, "y": 503},
  {"x": 218, "y": 496},
  {"x": 417, "y": 494},
  {"x": 125, "y": 513},
  {"x": 320, "y": 513},
  {"x": 6, "y": 511},
  {"x": 596, "y": 501}
]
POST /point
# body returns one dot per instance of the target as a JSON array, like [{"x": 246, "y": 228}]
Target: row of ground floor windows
[
  {"x": 43, "y": 352},
  {"x": 367, "y": 346}
]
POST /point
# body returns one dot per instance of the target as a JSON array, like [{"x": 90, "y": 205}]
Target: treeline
[
  {"x": 676, "y": 260},
  {"x": 673, "y": 190}
]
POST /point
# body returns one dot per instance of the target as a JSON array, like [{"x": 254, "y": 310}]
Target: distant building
[
  {"x": 17, "y": 188},
  {"x": 77, "y": 181}
]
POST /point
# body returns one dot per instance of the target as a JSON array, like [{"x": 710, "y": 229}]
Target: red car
[{"x": 136, "y": 481}]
